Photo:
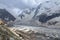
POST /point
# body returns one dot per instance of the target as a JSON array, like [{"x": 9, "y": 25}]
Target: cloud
[
  {"x": 32, "y": 3},
  {"x": 19, "y": 3},
  {"x": 40, "y": 1},
  {"x": 3, "y": 6},
  {"x": 16, "y": 11},
  {"x": 14, "y": 6}
]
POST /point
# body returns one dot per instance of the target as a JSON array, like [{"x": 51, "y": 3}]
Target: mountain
[
  {"x": 6, "y": 16},
  {"x": 43, "y": 13},
  {"x": 48, "y": 8},
  {"x": 26, "y": 14}
]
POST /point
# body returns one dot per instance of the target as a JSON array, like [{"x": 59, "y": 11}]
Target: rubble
[{"x": 7, "y": 33}]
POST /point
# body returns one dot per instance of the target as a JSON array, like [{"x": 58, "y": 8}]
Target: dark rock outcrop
[{"x": 6, "y": 16}]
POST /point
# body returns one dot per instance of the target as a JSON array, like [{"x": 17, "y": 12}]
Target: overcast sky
[
  {"x": 16, "y": 5},
  {"x": 21, "y": 3}
]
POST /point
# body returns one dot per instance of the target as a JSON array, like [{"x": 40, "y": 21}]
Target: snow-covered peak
[
  {"x": 26, "y": 14},
  {"x": 48, "y": 7}
]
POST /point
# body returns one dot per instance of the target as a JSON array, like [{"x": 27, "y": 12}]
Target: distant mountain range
[
  {"x": 48, "y": 7},
  {"x": 43, "y": 13}
]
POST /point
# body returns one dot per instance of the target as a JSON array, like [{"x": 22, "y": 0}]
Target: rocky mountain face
[
  {"x": 43, "y": 13},
  {"x": 9, "y": 17}
]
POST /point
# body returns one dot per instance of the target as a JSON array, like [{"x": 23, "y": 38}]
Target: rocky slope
[{"x": 44, "y": 13}]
